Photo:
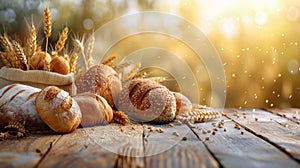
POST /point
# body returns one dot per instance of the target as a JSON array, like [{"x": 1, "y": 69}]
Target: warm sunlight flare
[{"x": 257, "y": 40}]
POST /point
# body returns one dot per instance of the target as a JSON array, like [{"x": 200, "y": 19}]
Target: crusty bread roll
[
  {"x": 102, "y": 80},
  {"x": 94, "y": 109},
  {"x": 58, "y": 109},
  {"x": 17, "y": 103},
  {"x": 146, "y": 100}
]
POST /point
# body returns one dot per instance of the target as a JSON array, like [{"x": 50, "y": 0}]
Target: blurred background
[{"x": 258, "y": 40}]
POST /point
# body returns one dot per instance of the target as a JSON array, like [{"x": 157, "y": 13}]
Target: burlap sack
[{"x": 37, "y": 78}]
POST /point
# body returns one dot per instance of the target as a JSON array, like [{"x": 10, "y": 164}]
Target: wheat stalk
[
  {"x": 9, "y": 52},
  {"x": 80, "y": 49},
  {"x": 32, "y": 42},
  {"x": 21, "y": 61},
  {"x": 119, "y": 68},
  {"x": 109, "y": 61},
  {"x": 140, "y": 75},
  {"x": 47, "y": 25},
  {"x": 132, "y": 72},
  {"x": 120, "y": 117},
  {"x": 73, "y": 63},
  {"x": 5, "y": 59},
  {"x": 62, "y": 39},
  {"x": 89, "y": 51}
]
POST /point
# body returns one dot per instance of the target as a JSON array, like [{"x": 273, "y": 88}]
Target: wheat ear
[
  {"x": 8, "y": 51},
  {"x": 21, "y": 61},
  {"x": 80, "y": 49},
  {"x": 109, "y": 61},
  {"x": 89, "y": 51},
  {"x": 120, "y": 117},
  {"x": 32, "y": 42},
  {"x": 132, "y": 72},
  {"x": 119, "y": 68},
  {"x": 62, "y": 39},
  {"x": 73, "y": 63},
  {"x": 47, "y": 25}
]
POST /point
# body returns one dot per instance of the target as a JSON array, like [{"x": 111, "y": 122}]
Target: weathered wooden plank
[
  {"x": 279, "y": 131},
  {"x": 292, "y": 114},
  {"x": 101, "y": 146},
  {"x": 167, "y": 149},
  {"x": 236, "y": 147},
  {"x": 26, "y": 152}
]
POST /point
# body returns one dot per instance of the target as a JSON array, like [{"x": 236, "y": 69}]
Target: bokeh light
[{"x": 258, "y": 40}]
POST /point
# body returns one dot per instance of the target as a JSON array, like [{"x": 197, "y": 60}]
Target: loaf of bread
[
  {"x": 146, "y": 100},
  {"x": 94, "y": 109},
  {"x": 58, "y": 109},
  {"x": 17, "y": 103},
  {"x": 102, "y": 80}
]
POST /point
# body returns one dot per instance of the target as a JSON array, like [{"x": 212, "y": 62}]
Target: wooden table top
[{"x": 249, "y": 138}]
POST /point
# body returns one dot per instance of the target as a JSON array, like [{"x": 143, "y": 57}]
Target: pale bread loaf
[{"x": 94, "y": 109}]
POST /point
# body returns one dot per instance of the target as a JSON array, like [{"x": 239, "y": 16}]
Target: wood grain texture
[
  {"x": 279, "y": 131},
  {"x": 102, "y": 146},
  {"x": 26, "y": 152},
  {"x": 253, "y": 138},
  {"x": 292, "y": 114},
  {"x": 238, "y": 148},
  {"x": 167, "y": 149}
]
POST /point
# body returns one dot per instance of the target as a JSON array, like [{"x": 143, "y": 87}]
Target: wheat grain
[
  {"x": 62, "y": 39},
  {"x": 140, "y": 75},
  {"x": 80, "y": 49},
  {"x": 157, "y": 79},
  {"x": 132, "y": 72},
  {"x": 109, "y": 61},
  {"x": 4, "y": 56},
  {"x": 47, "y": 25},
  {"x": 119, "y": 68},
  {"x": 21, "y": 60},
  {"x": 89, "y": 51},
  {"x": 120, "y": 117},
  {"x": 73, "y": 63},
  {"x": 32, "y": 42}
]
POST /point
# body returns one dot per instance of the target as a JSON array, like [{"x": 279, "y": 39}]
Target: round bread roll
[
  {"x": 58, "y": 109},
  {"x": 102, "y": 80},
  {"x": 94, "y": 109}
]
